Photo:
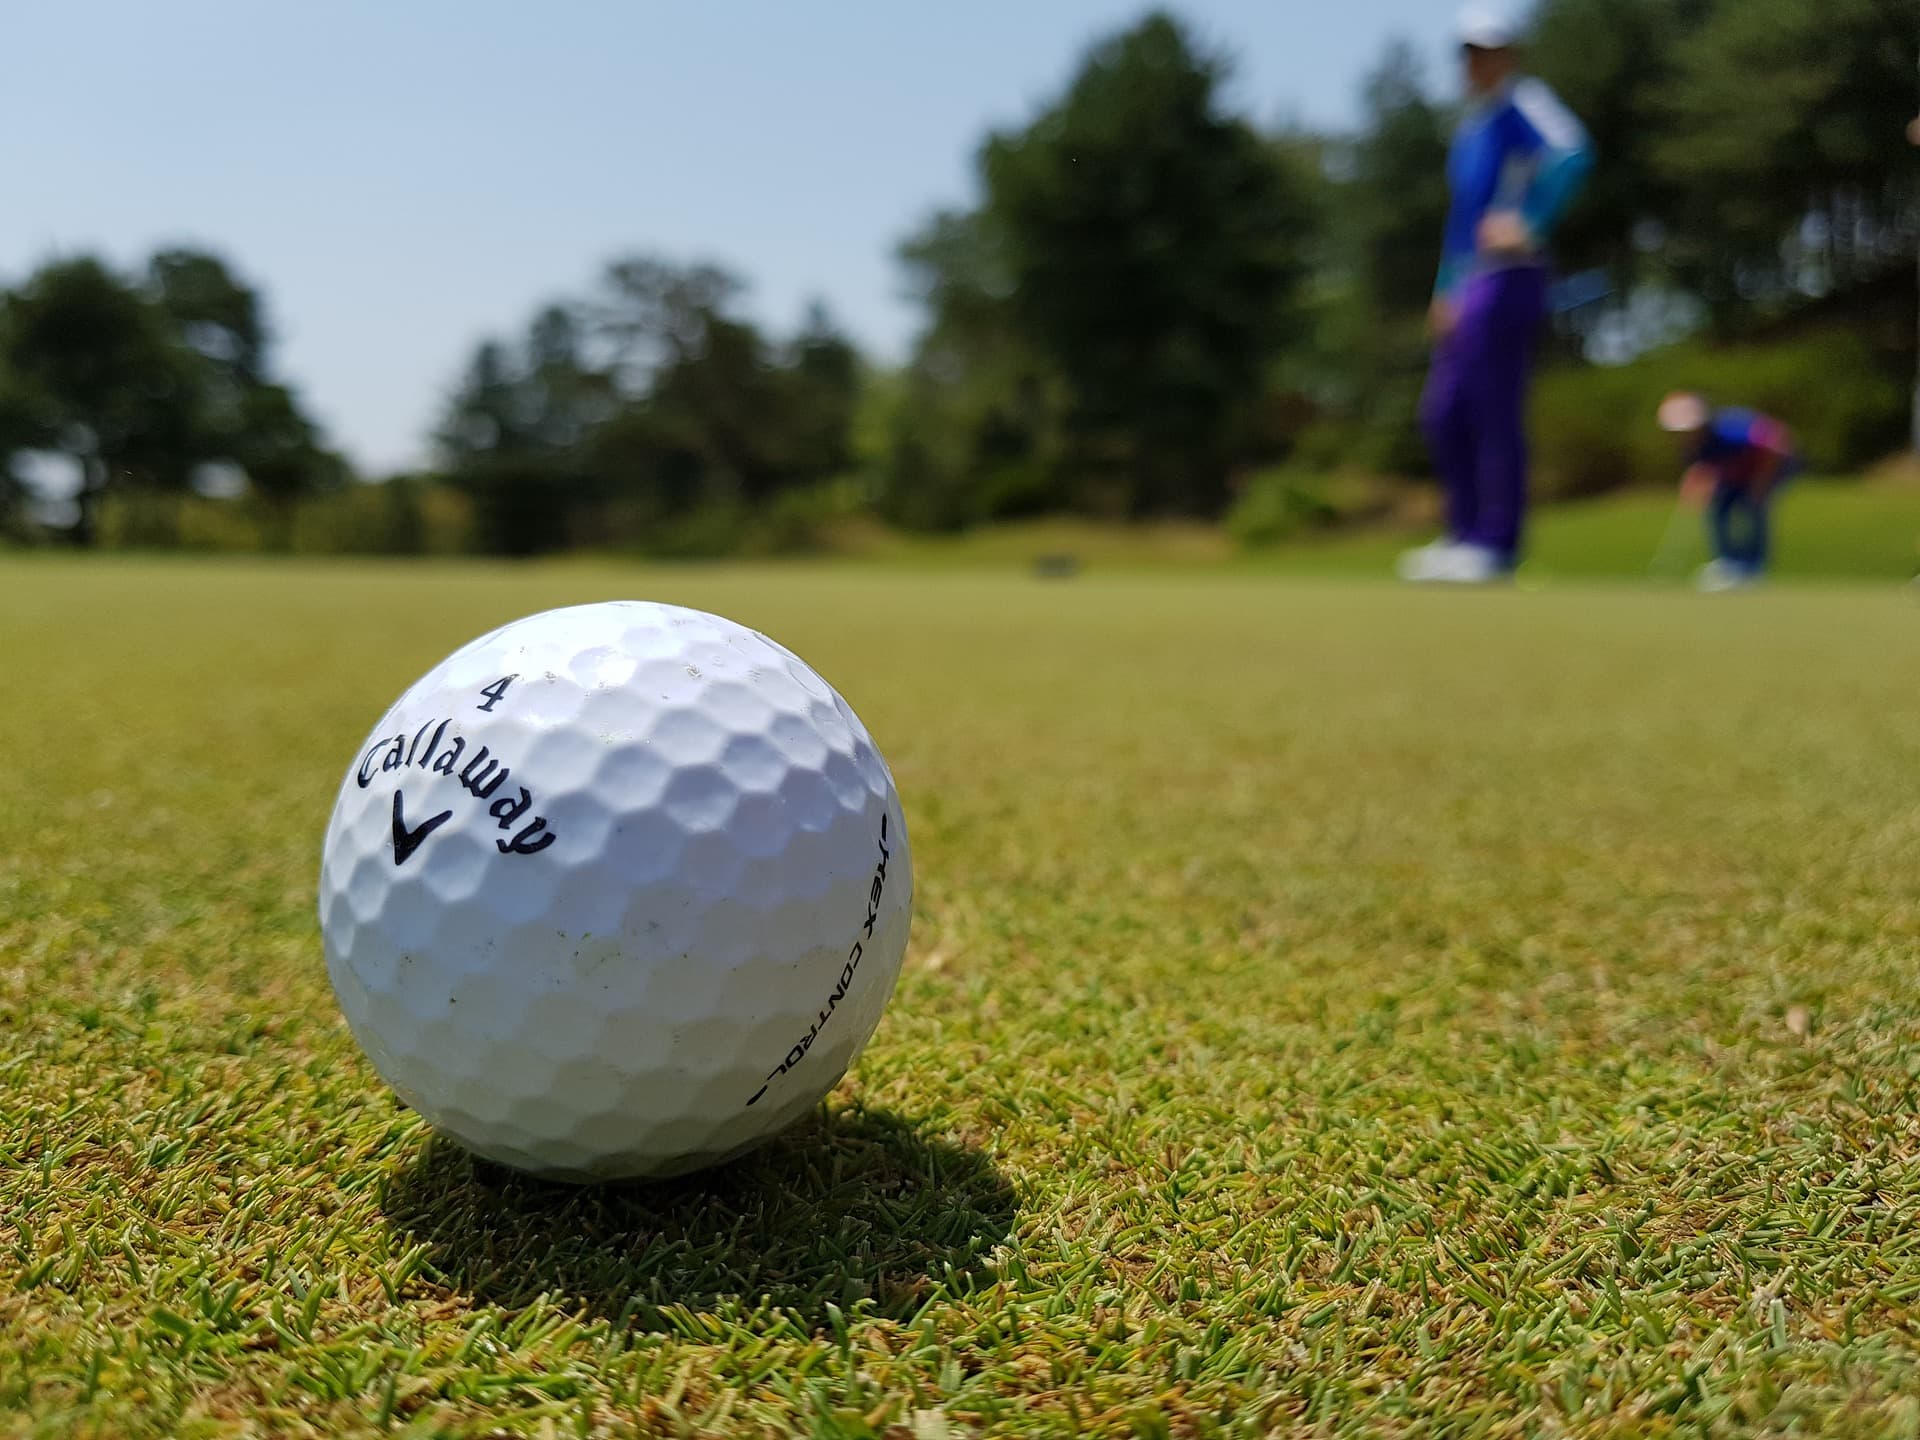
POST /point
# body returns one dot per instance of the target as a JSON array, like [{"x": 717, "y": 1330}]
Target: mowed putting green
[{"x": 1329, "y": 1006}]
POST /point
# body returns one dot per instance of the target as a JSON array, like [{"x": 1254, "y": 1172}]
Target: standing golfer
[
  {"x": 1737, "y": 463},
  {"x": 1517, "y": 159}
]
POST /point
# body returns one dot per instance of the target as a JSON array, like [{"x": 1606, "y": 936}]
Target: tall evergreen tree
[{"x": 1153, "y": 244}]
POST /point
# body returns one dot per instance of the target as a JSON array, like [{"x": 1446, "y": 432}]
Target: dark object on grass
[{"x": 1056, "y": 567}]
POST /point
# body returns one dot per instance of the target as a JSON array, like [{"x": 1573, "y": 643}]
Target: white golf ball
[{"x": 617, "y": 890}]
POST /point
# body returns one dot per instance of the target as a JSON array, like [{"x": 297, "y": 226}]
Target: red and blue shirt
[{"x": 1741, "y": 444}]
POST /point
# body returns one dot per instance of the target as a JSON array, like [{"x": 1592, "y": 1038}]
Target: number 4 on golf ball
[{"x": 617, "y": 890}]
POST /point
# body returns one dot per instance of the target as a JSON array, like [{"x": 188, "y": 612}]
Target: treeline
[
  {"x": 1153, "y": 307},
  {"x": 648, "y": 413},
  {"x": 159, "y": 383}
]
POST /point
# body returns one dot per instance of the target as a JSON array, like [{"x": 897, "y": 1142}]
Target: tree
[
  {"x": 649, "y": 402},
  {"x": 15, "y": 502},
  {"x": 92, "y": 371},
  {"x": 1153, "y": 245},
  {"x": 974, "y": 429},
  {"x": 1781, "y": 112},
  {"x": 702, "y": 421},
  {"x": 144, "y": 383},
  {"x": 1396, "y": 194},
  {"x": 247, "y": 419},
  {"x": 649, "y": 313},
  {"x": 822, "y": 370},
  {"x": 716, "y": 413},
  {"x": 215, "y": 313},
  {"x": 1380, "y": 200},
  {"x": 1615, "y": 64},
  {"x": 516, "y": 434},
  {"x": 277, "y": 446}
]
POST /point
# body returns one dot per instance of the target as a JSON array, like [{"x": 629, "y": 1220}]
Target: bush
[
  {"x": 792, "y": 522},
  {"x": 402, "y": 516},
  {"x": 415, "y": 515},
  {"x": 1279, "y": 503},
  {"x": 801, "y": 521},
  {"x": 1593, "y": 427},
  {"x": 165, "y": 520}
]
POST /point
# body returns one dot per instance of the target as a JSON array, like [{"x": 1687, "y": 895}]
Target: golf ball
[{"x": 617, "y": 890}]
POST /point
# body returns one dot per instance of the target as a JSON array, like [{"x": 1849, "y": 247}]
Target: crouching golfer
[{"x": 1737, "y": 463}]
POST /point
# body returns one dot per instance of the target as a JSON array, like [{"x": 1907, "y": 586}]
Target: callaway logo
[
  {"x": 406, "y": 841},
  {"x": 482, "y": 776}
]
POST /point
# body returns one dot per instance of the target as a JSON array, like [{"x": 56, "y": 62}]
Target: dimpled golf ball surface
[{"x": 618, "y": 890}]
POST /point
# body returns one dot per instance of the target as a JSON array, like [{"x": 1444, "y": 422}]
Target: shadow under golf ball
[{"x": 851, "y": 1208}]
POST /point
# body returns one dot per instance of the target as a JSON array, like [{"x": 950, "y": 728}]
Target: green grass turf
[
  {"x": 1824, "y": 530},
  {"x": 1827, "y": 530},
  {"x": 1329, "y": 1007}
]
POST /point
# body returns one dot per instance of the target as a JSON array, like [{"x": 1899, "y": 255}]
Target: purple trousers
[{"x": 1474, "y": 411}]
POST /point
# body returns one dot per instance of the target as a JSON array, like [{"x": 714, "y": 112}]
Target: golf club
[{"x": 1674, "y": 542}]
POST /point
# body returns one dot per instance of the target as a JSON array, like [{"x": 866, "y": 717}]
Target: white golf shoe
[
  {"x": 1458, "y": 564},
  {"x": 1718, "y": 576},
  {"x": 1425, "y": 563}
]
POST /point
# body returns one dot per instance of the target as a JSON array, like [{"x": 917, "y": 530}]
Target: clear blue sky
[{"x": 402, "y": 178}]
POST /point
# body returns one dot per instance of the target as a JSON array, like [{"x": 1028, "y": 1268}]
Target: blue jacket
[{"x": 1520, "y": 149}]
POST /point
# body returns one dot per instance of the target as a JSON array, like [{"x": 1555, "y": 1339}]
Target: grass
[
  {"x": 1827, "y": 529},
  {"x": 1330, "y": 1008}
]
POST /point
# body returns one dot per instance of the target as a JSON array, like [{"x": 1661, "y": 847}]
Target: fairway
[{"x": 1328, "y": 1006}]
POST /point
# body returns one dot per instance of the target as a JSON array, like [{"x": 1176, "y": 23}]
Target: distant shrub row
[{"x": 412, "y": 516}]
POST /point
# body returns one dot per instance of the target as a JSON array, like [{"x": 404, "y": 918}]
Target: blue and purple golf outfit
[
  {"x": 1519, "y": 150},
  {"x": 1752, "y": 456}
]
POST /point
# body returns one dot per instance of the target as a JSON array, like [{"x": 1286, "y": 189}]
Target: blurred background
[{"x": 747, "y": 279}]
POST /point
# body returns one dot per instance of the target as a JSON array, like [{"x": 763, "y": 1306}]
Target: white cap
[
  {"x": 1485, "y": 27},
  {"x": 1683, "y": 412}
]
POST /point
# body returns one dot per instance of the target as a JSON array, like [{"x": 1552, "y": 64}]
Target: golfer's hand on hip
[{"x": 1505, "y": 233}]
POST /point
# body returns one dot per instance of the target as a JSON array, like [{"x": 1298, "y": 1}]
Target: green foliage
[
  {"x": 406, "y": 515},
  {"x": 515, "y": 434},
  {"x": 793, "y": 522},
  {"x": 973, "y": 429},
  {"x": 143, "y": 384},
  {"x": 1364, "y": 359},
  {"x": 1154, "y": 247},
  {"x": 16, "y": 527},
  {"x": 1784, "y": 108},
  {"x": 90, "y": 370},
  {"x": 1614, "y": 62},
  {"x": 1723, "y": 128},
  {"x": 1594, "y": 429},
  {"x": 1266, "y": 1060},
  {"x": 1395, "y": 200},
  {"x": 648, "y": 416},
  {"x": 214, "y": 312},
  {"x": 412, "y": 515},
  {"x": 1106, "y": 319},
  {"x": 984, "y": 445},
  {"x": 1282, "y": 502},
  {"x": 402, "y": 516}
]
